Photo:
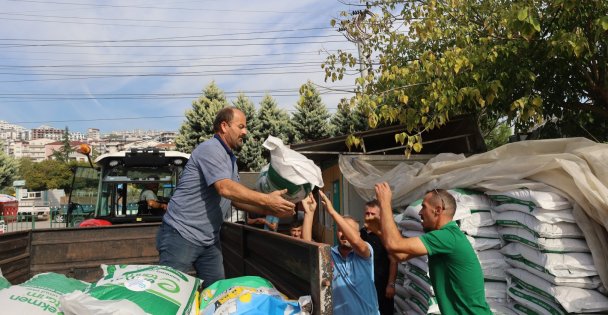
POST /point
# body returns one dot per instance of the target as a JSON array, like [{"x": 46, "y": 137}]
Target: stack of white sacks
[
  {"x": 534, "y": 257},
  {"x": 551, "y": 270}
]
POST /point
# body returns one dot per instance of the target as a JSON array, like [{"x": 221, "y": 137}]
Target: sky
[{"x": 135, "y": 64}]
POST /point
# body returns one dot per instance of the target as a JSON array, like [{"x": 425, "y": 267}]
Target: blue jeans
[{"x": 181, "y": 254}]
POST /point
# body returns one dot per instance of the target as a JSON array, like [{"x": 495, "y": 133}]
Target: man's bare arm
[
  {"x": 310, "y": 206},
  {"x": 360, "y": 247},
  {"x": 391, "y": 238},
  {"x": 273, "y": 201},
  {"x": 156, "y": 205}
]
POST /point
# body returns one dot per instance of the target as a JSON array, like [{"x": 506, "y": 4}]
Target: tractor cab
[{"x": 112, "y": 190}]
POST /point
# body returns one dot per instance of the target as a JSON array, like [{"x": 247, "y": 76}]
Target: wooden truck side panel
[{"x": 294, "y": 266}]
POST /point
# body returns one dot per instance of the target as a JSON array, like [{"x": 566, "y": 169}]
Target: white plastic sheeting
[{"x": 575, "y": 167}]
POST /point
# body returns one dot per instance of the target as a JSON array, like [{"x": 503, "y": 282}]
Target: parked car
[
  {"x": 33, "y": 211},
  {"x": 3, "y": 227},
  {"x": 79, "y": 213}
]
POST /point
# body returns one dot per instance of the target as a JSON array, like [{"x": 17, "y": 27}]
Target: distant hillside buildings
[{"x": 39, "y": 143}]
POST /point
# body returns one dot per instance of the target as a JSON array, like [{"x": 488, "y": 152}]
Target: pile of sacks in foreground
[
  {"x": 534, "y": 257},
  {"x": 145, "y": 289}
]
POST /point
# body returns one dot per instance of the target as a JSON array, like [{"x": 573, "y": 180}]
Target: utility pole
[{"x": 359, "y": 35}]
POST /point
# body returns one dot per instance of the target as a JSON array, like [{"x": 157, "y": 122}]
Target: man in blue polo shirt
[
  {"x": 208, "y": 186},
  {"x": 353, "y": 291}
]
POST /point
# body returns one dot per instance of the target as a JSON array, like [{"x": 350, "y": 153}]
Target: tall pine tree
[
  {"x": 275, "y": 121},
  {"x": 347, "y": 119},
  {"x": 63, "y": 154},
  {"x": 198, "y": 126},
  {"x": 311, "y": 119},
  {"x": 250, "y": 155}
]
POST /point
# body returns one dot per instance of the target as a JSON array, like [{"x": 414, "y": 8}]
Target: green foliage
[
  {"x": 275, "y": 121},
  {"x": 63, "y": 154},
  {"x": 529, "y": 61},
  {"x": 311, "y": 118},
  {"x": 198, "y": 126},
  {"x": 347, "y": 119},
  {"x": 496, "y": 132},
  {"x": 8, "y": 169},
  {"x": 250, "y": 157},
  {"x": 47, "y": 174}
]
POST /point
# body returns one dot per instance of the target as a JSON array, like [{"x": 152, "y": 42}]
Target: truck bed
[{"x": 294, "y": 266}]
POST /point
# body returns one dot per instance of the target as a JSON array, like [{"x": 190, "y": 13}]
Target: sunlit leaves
[{"x": 526, "y": 60}]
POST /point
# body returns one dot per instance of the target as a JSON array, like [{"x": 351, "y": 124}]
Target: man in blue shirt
[
  {"x": 353, "y": 289},
  {"x": 208, "y": 186},
  {"x": 271, "y": 223}
]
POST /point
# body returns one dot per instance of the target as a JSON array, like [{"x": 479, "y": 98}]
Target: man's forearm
[
  {"x": 307, "y": 226},
  {"x": 240, "y": 194},
  {"x": 250, "y": 208},
  {"x": 392, "y": 271},
  {"x": 352, "y": 235},
  {"x": 388, "y": 228}
]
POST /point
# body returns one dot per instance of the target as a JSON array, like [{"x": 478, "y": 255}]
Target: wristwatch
[{"x": 391, "y": 284}]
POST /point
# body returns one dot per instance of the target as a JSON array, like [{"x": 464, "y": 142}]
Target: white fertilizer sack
[
  {"x": 483, "y": 231},
  {"x": 410, "y": 224},
  {"x": 545, "y": 245},
  {"x": 533, "y": 301},
  {"x": 501, "y": 309},
  {"x": 422, "y": 262},
  {"x": 136, "y": 289},
  {"x": 413, "y": 210},
  {"x": 573, "y": 300},
  {"x": 289, "y": 170},
  {"x": 420, "y": 278},
  {"x": 531, "y": 199},
  {"x": 567, "y": 265},
  {"x": 493, "y": 264},
  {"x": 39, "y": 295},
  {"x": 496, "y": 291},
  {"x": 471, "y": 199},
  {"x": 477, "y": 219},
  {"x": 539, "y": 229},
  {"x": 542, "y": 215},
  {"x": 482, "y": 243}
]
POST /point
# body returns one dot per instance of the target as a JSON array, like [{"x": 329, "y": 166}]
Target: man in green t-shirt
[{"x": 454, "y": 269}]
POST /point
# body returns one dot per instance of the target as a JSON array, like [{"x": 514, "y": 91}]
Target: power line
[
  {"x": 87, "y": 43},
  {"x": 185, "y": 37},
  {"x": 162, "y": 66},
  {"x": 139, "y": 20},
  {"x": 62, "y": 72},
  {"x": 194, "y": 57},
  {"x": 161, "y": 8},
  {"x": 175, "y": 46},
  {"x": 292, "y": 89},
  {"x": 51, "y": 97}
]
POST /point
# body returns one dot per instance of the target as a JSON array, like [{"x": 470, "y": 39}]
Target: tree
[
  {"x": 347, "y": 119},
  {"x": 47, "y": 174},
  {"x": 311, "y": 118},
  {"x": 198, "y": 126},
  {"x": 250, "y": 155},
  {"x": 8, "y": 169},
  {"x": 495, "y": 132},
  {"x": 275, "y": 121},
  {"x": 63, "y": 154},
  {"x": 529, "y": 61}
]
